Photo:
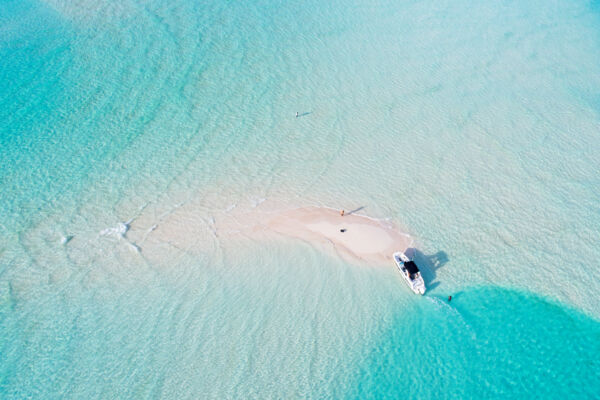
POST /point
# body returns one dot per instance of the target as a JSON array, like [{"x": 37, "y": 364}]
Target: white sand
[
  {"x": 364, "y": 238},
  {"x": 190, "y": 229}
]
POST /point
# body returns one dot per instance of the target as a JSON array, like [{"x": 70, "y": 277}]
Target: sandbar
[
  {"x": 356, "y": 236},
  {"x": 191, "y": 228}
]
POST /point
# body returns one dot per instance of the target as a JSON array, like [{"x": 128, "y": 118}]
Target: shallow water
[
  {"x": 281, "y": 321},
  {"x": 472, "y": 126}
]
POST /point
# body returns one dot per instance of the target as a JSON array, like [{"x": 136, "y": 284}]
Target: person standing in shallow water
[
  {"x": 342, "y": 213},
  {"x": 296, "y": 114}
]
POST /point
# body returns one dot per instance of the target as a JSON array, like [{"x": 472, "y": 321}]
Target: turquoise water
[
  {"x": 286, "y": 324},
  {"x": 472, "y": 126},
  {"x": 486, "y": 343}
]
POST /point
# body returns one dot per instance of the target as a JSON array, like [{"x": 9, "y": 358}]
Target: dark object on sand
[{"x": 343, "y": 230}]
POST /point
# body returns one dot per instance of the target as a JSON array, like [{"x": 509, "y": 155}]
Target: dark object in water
[
  {"x": 343, "y": 230},
  {"x": 449, "y": 299}
]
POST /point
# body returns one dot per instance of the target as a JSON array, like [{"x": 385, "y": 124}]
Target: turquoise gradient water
[
  {"x": 486, "y": 343},
  {"x": 282, "y": 322},
  {"x": 473, "y": 126}
]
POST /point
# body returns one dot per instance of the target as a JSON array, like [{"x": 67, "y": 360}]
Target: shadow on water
[
  {"x": 428, "y": 264},
  {"x": 304, "y": 114},
  {"x": 355, "y": 210}
]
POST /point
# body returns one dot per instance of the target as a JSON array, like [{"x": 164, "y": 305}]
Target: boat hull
[{"x": 417, "y": 285}]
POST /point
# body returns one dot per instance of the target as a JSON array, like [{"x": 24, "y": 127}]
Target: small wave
[
  {"x": 134, "y": 247},
  {"x": 231, "y": 207},
  {"x": 258, "y": 202},
  {"x": 118, "y": 231},
  {"x": 66, "y": 239},
  {"x": 212, "y": 227}
]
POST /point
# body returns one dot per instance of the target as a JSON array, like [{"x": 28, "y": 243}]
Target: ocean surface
[{"x": 474, "y": 126}]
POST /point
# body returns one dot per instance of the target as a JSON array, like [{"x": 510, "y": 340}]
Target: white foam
[
  {"x": 66, "y": 239},
  {"x": 258, "y": 202},
  {"x": 134, "y": 247},
  {"x": 212, "y": 227},
  {"x": 118, "y": 231}
]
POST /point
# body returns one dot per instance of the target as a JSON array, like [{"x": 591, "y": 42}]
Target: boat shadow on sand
[{"x": 428, "y": 264}]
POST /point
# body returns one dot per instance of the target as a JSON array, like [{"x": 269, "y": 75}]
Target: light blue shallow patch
[{"x": 284, "y": 321}]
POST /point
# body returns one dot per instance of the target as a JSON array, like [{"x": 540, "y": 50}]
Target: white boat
[{"x": 410, "y": 272}]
